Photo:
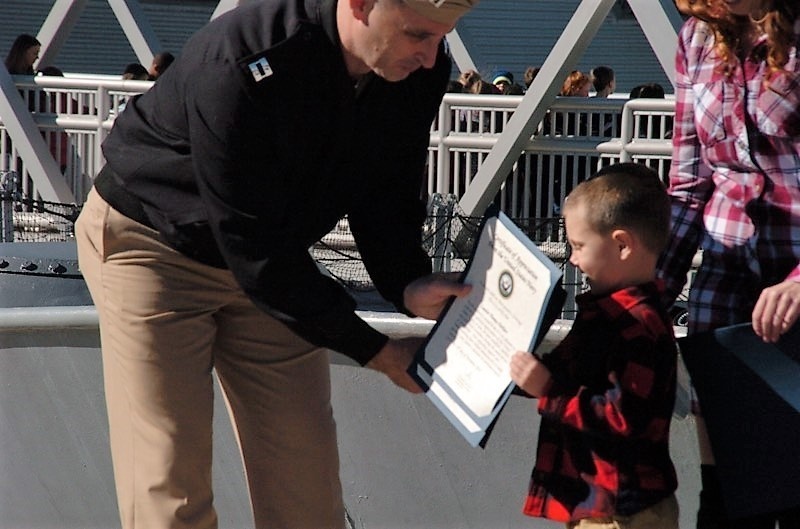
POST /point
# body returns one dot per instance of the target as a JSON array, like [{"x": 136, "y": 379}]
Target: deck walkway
[{"x": 402, "y": 464}]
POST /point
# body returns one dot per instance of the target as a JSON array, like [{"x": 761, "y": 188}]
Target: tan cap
[{"x": 442, "y": 11}]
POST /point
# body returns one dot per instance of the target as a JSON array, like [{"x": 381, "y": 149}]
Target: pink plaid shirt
[{"x": 735, "y": 195}]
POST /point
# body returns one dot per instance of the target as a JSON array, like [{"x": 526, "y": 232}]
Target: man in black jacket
[{"x": 277, "y": 119}]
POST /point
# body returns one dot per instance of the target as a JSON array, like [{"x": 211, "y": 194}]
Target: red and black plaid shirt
[{"x": 603, "y": 440}]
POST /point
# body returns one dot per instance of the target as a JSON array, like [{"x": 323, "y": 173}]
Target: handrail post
[
  {"x": 442, "y": 212},
  {"x": 626, "y": 132},
  {"x": 9, "y": 192},
  {"x": 442, "y": 149},
  {"x": 103, "y": 114}
]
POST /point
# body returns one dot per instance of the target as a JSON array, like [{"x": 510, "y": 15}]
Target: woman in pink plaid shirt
[{"x": 735, "y": 183}]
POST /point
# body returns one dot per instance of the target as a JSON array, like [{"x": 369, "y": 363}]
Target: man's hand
[
  {"x": 393, "y": 361},
  {"x": 427, "y": 296},
  {"x": 776, "y": 310}
]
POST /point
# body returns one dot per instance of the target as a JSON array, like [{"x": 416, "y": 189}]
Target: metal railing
[
  {"x": 576, "y": 137},
  {"x": 75, "y": 114}
]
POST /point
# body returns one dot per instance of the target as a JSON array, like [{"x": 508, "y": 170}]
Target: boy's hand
[{"x": 529, "y": 373}]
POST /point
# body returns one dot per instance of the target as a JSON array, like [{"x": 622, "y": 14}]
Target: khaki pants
[
  {"x": 662, "y": 515},
  {"x": 165, "y": 322}
]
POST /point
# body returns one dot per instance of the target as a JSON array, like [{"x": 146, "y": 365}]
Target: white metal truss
[
  {"x": 660, "y": 26},
  {"x": 57, "y": 26},
  {"x": 44, "y": 171},
  {"x": 657, "y": 20},
  {"x": 132, "y": 19},
  {"x": 459, "y": 52},
  {"x": 53, "y": 34},
  {"x": 660, "y": 30}
]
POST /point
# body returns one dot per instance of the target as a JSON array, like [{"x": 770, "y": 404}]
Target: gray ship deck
[{"x": 402, "y": 465}]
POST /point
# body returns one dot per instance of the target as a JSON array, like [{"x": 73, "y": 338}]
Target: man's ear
[
  {"x": 625, "y": 241},
  {"x": 361, "y": 9}
]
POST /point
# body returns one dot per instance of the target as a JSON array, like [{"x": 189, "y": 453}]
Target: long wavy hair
[
  {"x": 777, "y": 22},
  {"x": 16, "y": 62}
]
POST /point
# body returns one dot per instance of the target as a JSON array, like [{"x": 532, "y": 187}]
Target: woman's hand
[{"x": 776, "y": 310}]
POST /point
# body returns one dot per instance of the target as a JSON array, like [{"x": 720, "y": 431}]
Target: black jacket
[{"x": 255, "y": 142}]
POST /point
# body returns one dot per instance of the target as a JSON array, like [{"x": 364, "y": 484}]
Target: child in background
[{"x": 607, "y": 391}]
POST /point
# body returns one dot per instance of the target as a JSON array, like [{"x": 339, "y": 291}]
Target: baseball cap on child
[{"x": 442, "y": 11}]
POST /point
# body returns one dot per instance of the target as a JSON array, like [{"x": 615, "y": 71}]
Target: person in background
[
  {"x": 454, "y": 87},
  {"x": 603, "y": 80},
  {"x": 481, "y": 120},
  {"x": 577, "y": 84},
  {"x": 135, "y": 72},
  {"x": 529, "y": 75},
  {"x": 56, "y": 103},
  {"x": 161, "y": 61},
  {"x": 565, "y": 171},
  {"x": 132, "y": 72},
  {"x": 652, "y": 127},
  {"x": 606, "y": 392},
  {"x": 468, "y": 79},
  {"x": 52, "y": 71},
  {"x": 482, "y": 86},
  {"x": 513, "y": 89},
  {"x": 605, "y": 83},
  {"x": 501, "y": 79},
  {"x": 23, "y": 55},
  {"x": 734, "y": 187},
  {"x": 194, "y": 244},
  {"x": 647, "y": 91}
]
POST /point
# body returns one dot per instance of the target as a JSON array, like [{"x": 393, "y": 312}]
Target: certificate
[{"x": 464, "y": 364}]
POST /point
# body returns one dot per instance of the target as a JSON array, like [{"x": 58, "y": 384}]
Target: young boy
[{"x": 606, "y": 392}]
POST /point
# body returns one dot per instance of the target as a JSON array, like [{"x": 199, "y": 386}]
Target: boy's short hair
[{"x": 627, "y": 196}]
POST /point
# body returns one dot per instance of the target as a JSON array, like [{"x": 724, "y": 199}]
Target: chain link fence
[
  {"x": 26, "y": 219},
  {"x": 448, "y": 237}
]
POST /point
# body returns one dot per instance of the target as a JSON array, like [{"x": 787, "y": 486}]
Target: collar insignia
[{"x": 260, "y": 69}]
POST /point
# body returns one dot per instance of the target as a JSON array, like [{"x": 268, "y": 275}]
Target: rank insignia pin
[{"x": 260, "y": 69}]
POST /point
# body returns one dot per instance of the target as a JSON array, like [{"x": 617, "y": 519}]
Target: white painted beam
[
  {"x": 459, "y": 52},
  {"x": 137, "y": 28},
  {"x": 44, "y": 171},
  {"x": 660, "y": 24},
  {"x": 56, "y": 28},
  {"x": 566, "y": 53}
]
